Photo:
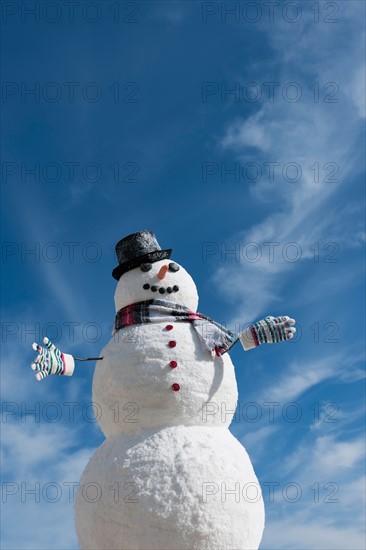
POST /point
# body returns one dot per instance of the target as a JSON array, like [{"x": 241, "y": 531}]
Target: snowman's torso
[{"x": 132, "y": 386}]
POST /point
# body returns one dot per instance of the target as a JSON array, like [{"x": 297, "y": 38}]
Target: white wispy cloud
[
  {"x": 298, "y": 531},
  {"x": 53, "y": 262},
  {"x": 325, "y": 477},
  {"x": 315, "y": 496},
  {"x": 331, "y": 416},
  {"x": 327, "y": 457},
  {"x": 305, "y": 133},
  {"x": 40, "y": 470},
  {"x": 290, "y": 386},
  {"x": 301, "y": 375},
  {"x": 39, "y": 455}
]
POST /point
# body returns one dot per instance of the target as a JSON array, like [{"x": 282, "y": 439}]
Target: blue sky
[{"x": 132, "y": 126}]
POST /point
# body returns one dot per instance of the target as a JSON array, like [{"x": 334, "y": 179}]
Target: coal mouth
[{"x": 161, "y": 289}]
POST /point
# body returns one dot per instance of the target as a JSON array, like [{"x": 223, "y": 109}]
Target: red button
[
  {"x": 173, "y": 364},
  {"x": 175, "y": 387},
  {"x": 169, "y": 327},
  {"x": 172, "y": 344}
]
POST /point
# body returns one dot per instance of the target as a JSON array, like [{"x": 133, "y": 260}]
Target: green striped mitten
[
  {"x": 50, "y": 360},
  {"x": 268, "y": 331}
]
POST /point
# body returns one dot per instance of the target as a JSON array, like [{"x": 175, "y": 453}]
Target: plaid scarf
[{"x": 216, "y": 338}]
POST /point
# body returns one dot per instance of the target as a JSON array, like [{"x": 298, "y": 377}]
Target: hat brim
[{"x": 150, "y": 258}]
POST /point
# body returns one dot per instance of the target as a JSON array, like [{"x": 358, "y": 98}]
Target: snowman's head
[{"x": 164, "y": 279}]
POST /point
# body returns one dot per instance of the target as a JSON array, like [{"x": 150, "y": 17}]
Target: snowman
[{"x": 169, "y": 475}]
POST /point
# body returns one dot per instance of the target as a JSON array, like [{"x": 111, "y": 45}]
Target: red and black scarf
[{"x": 214, "y": 336}]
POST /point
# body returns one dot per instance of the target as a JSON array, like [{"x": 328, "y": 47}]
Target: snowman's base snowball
[{"x": 181, "y": 488}]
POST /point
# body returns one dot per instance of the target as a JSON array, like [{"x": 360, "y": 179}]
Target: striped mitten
[
  {"x": 268, "y": 331},
  {"x": 51, "y": 360}
]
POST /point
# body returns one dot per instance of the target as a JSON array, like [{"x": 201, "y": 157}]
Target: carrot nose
[{"x": 162, "y": 272}]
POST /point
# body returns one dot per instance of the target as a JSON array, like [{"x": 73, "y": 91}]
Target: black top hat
[{"x": 136, "y": 249}]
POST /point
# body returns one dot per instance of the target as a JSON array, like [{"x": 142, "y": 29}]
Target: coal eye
[
  {"x": 145, "y": 267},
  {"x": 173, "y": 267}
]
